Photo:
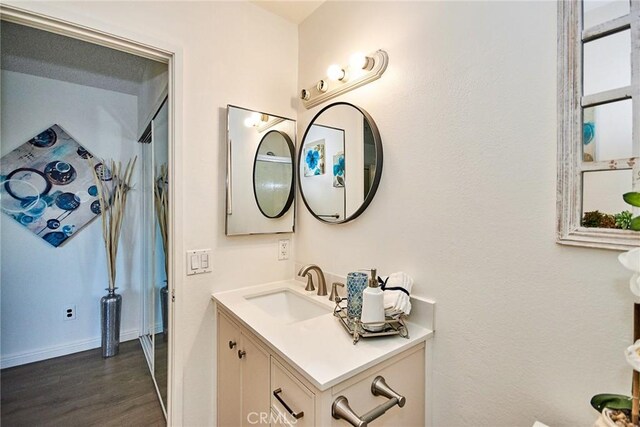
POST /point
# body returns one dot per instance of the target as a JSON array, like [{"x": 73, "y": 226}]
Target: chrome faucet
[{"x": 322, "y": 285}]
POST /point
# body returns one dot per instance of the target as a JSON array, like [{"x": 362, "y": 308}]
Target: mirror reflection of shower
[{"x": 273, "y": 174}]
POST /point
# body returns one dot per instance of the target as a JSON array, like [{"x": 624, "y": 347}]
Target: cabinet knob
[
  {"x": 232, "y": 344},
  {"x": 241, "y": 354}
]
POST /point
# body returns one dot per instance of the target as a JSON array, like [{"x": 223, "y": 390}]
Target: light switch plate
[{"x": 198, "y": 261}]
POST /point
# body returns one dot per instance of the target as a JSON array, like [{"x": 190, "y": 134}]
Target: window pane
[
  {"x": 607, "y": 63},
  {"x": 607, "y": 132},
  {"x": 602, "y": 191},
  {"x": 599, "y": 11}
]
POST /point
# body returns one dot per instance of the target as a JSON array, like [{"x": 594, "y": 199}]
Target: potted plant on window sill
[{"x": 623, "y": 220}]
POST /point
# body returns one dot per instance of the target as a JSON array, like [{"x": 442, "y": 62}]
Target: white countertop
[{"x": 319, "y": 348}]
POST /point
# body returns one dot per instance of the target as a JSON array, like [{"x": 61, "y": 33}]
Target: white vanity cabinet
[
  {"x": 262, "y": 382},
  {"x": 243, "y": 376}
]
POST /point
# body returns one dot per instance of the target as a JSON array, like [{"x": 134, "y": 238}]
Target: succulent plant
[
  {"x": 633, "y": 198},
  {"x": 623, "y": 219}
]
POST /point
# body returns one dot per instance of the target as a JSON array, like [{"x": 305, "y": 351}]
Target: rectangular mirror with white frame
[
  {"x": 260, "y": 173},
  {"x": 599, "y": 123}
]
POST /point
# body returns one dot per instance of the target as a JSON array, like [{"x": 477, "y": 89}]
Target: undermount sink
[{"x": 288, "y": 306}]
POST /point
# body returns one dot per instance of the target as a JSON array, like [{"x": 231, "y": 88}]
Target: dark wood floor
[{"x": 81, "y": 389}]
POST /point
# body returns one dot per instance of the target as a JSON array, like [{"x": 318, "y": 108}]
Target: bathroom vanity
[{"x": 283, "y": 359}]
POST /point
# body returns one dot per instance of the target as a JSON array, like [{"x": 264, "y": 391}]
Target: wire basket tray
[{"x": 358, "y": 329}]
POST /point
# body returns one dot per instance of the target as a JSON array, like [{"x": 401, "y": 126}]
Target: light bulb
[
  {"x": 360, "y": 61},
  {"x": 254, "y": 119},
  {"x": 335, "y": 72},
  {"x": 322, "y": 86}
]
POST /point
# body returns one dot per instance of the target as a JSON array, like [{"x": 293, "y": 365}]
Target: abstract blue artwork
[
  {"x": 47, "y": 185},
  {"x": 314, "y": 159}
]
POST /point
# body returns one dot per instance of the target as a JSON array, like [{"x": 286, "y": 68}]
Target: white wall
[
  {"x": 152, "y": 92},
  {"x": 229, "y": 52},
  {"x": 38, "y": 280},
  {"x": 526, "y": 329}
]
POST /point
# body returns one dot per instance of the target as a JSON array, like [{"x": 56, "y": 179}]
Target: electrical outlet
[
  {"x": 283, "y": 249},
  {"x": 70, "y": 312}
]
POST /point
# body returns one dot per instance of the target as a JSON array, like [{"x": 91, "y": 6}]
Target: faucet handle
[
  {"x": 309, "y": 286},
  {"x": 334, "y": 291}
]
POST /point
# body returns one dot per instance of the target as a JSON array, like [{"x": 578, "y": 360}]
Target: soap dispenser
[{"x": 373, "y": 305}]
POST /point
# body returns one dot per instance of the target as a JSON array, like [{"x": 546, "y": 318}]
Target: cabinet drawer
[
  {"x": 405, "y": 376},
  {"x": 294, "y": 394}
]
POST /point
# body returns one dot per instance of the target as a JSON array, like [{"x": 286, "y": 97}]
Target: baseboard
[{"x": 11, "y": 360}]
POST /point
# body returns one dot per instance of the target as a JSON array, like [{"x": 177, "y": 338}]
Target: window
[{"x": 598, "y": 120}]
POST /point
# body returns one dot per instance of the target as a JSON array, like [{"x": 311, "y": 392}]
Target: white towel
[{"x": 397, "y": 302}]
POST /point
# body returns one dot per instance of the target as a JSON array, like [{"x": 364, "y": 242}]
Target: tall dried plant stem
[
  {"x": 161, "y": 198},
  {"x": 113, "y": 202}
]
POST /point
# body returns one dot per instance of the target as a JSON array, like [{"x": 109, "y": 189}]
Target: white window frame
[{"x": 571, "y": 102}]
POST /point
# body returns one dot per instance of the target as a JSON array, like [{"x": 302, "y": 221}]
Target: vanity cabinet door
[
  {"x": 229, "y": 397},
  {"x": 255, "y": 382},
  {"x": 292, "y": 393}
]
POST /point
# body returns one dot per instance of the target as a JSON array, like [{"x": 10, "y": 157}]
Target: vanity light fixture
[
  {"x": 263, "y": 126},
  {"x": 362, "y": 69},
  {"x": 256, "y": 120},
  {"x": 336, "y": 72},
  {"x": 360, "y": 61}
]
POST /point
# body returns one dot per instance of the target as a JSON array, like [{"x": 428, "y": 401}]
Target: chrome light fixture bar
[{"x": 340, "y": 80}]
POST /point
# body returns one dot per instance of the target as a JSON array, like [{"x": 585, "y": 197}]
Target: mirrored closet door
[{"x": 156, "y": 290}]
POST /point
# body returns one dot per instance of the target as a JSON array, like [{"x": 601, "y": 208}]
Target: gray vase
[{"x": 110, "y": 310}]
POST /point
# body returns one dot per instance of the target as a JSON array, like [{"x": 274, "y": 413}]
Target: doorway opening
[{"x": 103, "y": 99}]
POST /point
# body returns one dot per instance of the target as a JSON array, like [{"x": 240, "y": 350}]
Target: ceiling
[
  {"x": 31, "y": 51},
  {"x": 293, "y": 11}
]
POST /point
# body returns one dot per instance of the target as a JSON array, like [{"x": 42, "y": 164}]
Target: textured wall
[
  {"x": 38, "y": 280},
  {"x": 526, "y": 329}
]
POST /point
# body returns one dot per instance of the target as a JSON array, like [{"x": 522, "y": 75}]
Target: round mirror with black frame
[
  {"x": 273, "y": 184},
  {"x": 339, "y": 163}
]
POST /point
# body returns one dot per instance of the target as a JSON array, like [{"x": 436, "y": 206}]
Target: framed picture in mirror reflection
[{"x": 314, "y": 159}]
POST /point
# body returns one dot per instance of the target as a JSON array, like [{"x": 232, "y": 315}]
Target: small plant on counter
[{"x": 633, "y": 198}]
